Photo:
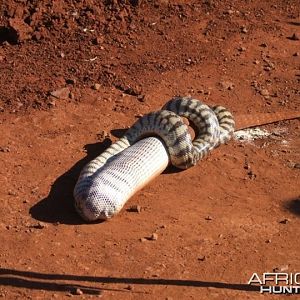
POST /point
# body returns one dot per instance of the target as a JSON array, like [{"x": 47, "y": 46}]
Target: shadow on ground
[
  {"x": 32, "y": 280},
  {"x": 293, "y": 205},
  {"x": 58, "y": 206}
]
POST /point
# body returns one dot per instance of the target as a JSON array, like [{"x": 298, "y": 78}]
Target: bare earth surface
[{"x": 74, "y": 74}]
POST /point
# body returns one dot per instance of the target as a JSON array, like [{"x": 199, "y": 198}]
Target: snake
[{"x": 153, "y": 142}]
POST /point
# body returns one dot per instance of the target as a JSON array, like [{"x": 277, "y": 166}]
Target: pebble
[
  {"x": 39, "y": 225},
  {"x": 103, "y": 134},
  {"x": 96, "y": 86},
  {"x": 242, "y": 49},
  {"x": 285, "y": 221},
  {"x": 281, "y": 268},
  {"x": 4, "y": 149},
  {"x": 153, "y": 237},
  {"x": 12, "y": 193},
  {"x": 129, "y": 287},
  {"x": 143, "y": 240},
  {"x": 202, "y": 258},
  {"x": 295, "y": 37},
  {"x": 52, "y": 103},
  {"x": 208, "y": 218},
  {"x": 78, "y": 292},
  {"x": 267, "y": 68},
  {"x": 141, "y": 98},
  {"x": 265, "y": 92},
  {"x": 62, "y": 93},
  {"x": 135, "y": 208},
  {"x": 244, "y": 29},
  {"x": 297, "y": 166},
  {"x": 37, "y": 36},
  {"x": 296, "y": 54},
  {"x": 227, "y": 85}
]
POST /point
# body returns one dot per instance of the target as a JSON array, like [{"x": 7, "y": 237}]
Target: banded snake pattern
[{"x": 154, "y": 141}]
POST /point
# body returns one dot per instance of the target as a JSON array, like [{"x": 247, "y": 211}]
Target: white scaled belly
[{"x": 108, "y": 189}]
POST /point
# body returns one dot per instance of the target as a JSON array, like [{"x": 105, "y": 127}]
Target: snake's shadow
[{"x": 58, "y": 206}]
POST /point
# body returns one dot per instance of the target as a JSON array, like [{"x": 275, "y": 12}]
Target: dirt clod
[
  {"x": 19, "y": 31},
  {"x": 62, "y": 93}
]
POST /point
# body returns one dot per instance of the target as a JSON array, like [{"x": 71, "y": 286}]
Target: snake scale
[{"x": 154, "y": 141}]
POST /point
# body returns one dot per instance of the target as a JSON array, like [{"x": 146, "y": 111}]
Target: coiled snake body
[{"x": 154, "y": 141}]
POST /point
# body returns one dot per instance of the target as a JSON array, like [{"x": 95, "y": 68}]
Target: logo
[{"x": 277, "y": 283}]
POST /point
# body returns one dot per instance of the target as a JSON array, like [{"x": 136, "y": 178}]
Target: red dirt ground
[{"x": 72, "y": 73}]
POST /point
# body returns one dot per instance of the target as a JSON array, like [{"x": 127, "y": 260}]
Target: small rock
[
  {"x": 78, "y": 292},
  {"x": 208, "y": 218},
  {"x": 296, "y": 54},
  {"x": 256, "y": 62},
  {"x": 62, "y": 93},
  {"x": 134, "y": 208},
  {"x": 251, "y": 174},
  {"x": 242, "y": 49},
  {"x": 34, "y": 190},
  {"x": 129, "y": 287},
  {"x": 297, "y": 166},
  {"x": 202, "y": 258},
  {"x": 141, "y": 98},
  {"x": 268, "y": 241},
  {"x": 153, "y": 237},
  {"x": 39, "y": 225},
  {"x": 265, "y": 92},
  {"x": 244, "y": 29},
  {"x": 96, "y": 86},
  {"x": 103, "y": 134},
  {"x": 143, "y": 240},
  {"x": 12, "y": 193},
  {"x": 37, "y": 35},
  {"x": 281, "y": 269},
  {"x": 285, "y": 221},
  {"x": 267, "y": 68},
  {"x": 98, "y": 40},
  {"x": 264, "y": 45},
  {"x": 4, "y": 149},
  {"x": 52, "y": 102},
  {"x": 295, "y": 37},
  {"x": 227, "y": 85}
]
